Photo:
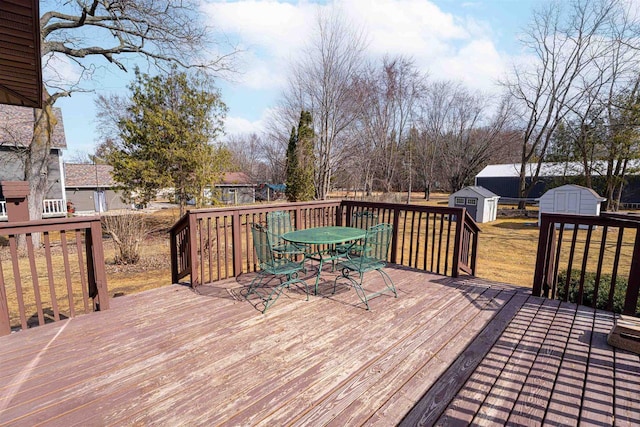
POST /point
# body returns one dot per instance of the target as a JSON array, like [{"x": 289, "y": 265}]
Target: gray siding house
[
  {"x": 16, "y": 132},
  {"x": 236, "y": 188},
  {"x": 91, "y": 188}
]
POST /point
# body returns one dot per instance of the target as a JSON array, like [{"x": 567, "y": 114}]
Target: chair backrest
[
  {"x": 262, "y": 245},
  {"x": 278, "y": 223},
  {"x": 364, "y": 219},
  {"x": 377, "y": 241}
]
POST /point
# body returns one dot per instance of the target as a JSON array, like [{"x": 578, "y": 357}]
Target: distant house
[
  {"x": 91, "y": 188},
  {"x": 16, "y": 133},
  {"x": 236, "y": 188}
]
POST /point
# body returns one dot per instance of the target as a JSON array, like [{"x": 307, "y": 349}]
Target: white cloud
[
  {"x": 445, "y": 45},
  {"x": 58, "y": 70},
  {"x": 240, "y": 125}
]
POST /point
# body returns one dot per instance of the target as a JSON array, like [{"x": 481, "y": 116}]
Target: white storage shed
[
  {"x": 481, "y": 203},
  {"x": 570, "y": 199}
]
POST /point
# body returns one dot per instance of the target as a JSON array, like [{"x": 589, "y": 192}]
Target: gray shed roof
[{"x": 481, "y": 191}]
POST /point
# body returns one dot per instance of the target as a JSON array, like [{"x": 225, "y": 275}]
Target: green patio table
[{"x": 321, "y": 236}]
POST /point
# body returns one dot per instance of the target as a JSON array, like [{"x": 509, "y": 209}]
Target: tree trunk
[{"x": 37, "y": 163}]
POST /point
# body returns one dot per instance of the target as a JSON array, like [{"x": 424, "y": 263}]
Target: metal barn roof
[{"x": 547, "y": 169}]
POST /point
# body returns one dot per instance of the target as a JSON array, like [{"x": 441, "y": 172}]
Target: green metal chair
[
  {"x": 359, "y": 219},
  {"x": 372, "y": 258},
  {"x": 279, "y": 223},
  {"x": 271, "y": 266}
]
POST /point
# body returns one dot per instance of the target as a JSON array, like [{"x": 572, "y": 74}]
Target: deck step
[{"x": 626, "y": 334}]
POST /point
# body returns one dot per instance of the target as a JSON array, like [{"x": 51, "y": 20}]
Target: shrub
[
  {"x": 619, "y": 293},
  {"x": 128, "y": 230}
]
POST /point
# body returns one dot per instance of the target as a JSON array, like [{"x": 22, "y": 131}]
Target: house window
[
  {"x": 459, "y": 200},
  {"x": 471, "y": 202}
]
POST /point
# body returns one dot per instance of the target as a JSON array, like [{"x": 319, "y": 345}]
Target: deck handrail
[
  {"x": 214, "y": 244},
  {"x": 82, "y": 272},
  {"x": 554, "y": 249},
  {"x": 50, "y": 208}
]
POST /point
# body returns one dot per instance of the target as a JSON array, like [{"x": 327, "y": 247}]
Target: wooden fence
[
  {"x": 54, "y": 281},
  {"x": 214, "y": 244},
  {"x": 590, "y": 260}
]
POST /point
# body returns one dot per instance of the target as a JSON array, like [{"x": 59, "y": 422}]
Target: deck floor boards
[{"x": 446, "y": 351}]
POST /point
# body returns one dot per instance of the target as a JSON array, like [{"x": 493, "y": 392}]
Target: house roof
[
  {"x": 481, "y": 191},
  {"x": 236, "y": 178},
  {"x": 16, "y": 127},
  {"x": 549, "y": 169},
  {"x": 84, "y": 176},
  {"x": 20, "y": 62}
]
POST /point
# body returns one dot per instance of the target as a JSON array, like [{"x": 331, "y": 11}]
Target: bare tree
[
  {"x": 391, "y": 97},
  {"x": 85, "y": 32},
  {"x": 460, "y": 134},
  {"x": 322, "y": 83},
  {"x": 566, "y": 40},
  {"x": 248, "y": 151}
]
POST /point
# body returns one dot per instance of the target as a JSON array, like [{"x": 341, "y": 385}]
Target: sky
[{"x": 472, "y": 41}]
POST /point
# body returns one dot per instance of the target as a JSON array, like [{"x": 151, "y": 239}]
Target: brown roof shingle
[
  {"x": 84, "y": 175},
  {"x": 16, "y": 127}
]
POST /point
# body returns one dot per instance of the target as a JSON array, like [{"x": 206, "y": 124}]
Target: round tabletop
[{"x": 324, "y": 235}]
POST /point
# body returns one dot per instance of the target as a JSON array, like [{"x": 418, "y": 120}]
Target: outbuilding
[
  {"x": 481, "y": 203},
  {"x": 570, "y": 199}
]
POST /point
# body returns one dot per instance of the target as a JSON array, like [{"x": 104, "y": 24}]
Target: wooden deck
[{"x": 446, "y": 351}]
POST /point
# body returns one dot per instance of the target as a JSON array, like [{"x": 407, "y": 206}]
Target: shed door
[{"x": 567, "y": 202}]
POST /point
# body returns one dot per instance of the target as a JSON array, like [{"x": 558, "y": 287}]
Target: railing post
[
  {"x": 457, "y": 247},
  {"x": 633, "y": 285},
  {"x": 394, "y": 238},
  {"x": 236, "y": 237},
  {"x": 173, "y": 247},
  {"x": 193, "y": 249},
  {"x": 542, "y": 256},
  {"x": 474, "y": 246}
]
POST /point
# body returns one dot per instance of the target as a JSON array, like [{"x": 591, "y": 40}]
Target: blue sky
[{"x": 471, "y": 41}]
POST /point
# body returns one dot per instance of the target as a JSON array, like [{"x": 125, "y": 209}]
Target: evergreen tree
[
  {"x": 165, "y": 138},
  {"x": 301, "y": 161}
]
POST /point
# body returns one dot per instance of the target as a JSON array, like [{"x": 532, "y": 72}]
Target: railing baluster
[
  {"x": 13, "y": 247},
  {"x": 633, "y": 290},
  {"x": 614, "y": 272},
  {"x": 67, "y": 273},
  {"x": 83, "y": 275},
  {"x": 52, "y": 286},
  {"x": 5, "y": 320},
  {"x": 603, "y": 242},
  {"x": 34, "y": 279}
]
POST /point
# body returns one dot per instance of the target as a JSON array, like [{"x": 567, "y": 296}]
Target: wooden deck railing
[
  {"x": 50, "y": 208},
  {"x": 214, "y": 244},
  {"x": 591, "y": 260},
  {"x": 53, "y": 282}
]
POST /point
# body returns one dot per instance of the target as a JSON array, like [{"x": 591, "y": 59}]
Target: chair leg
[
  {"x": 388, "y": 282},
  {"x": 254, "y": 285},
  {"x": 270, "y": 300}
]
